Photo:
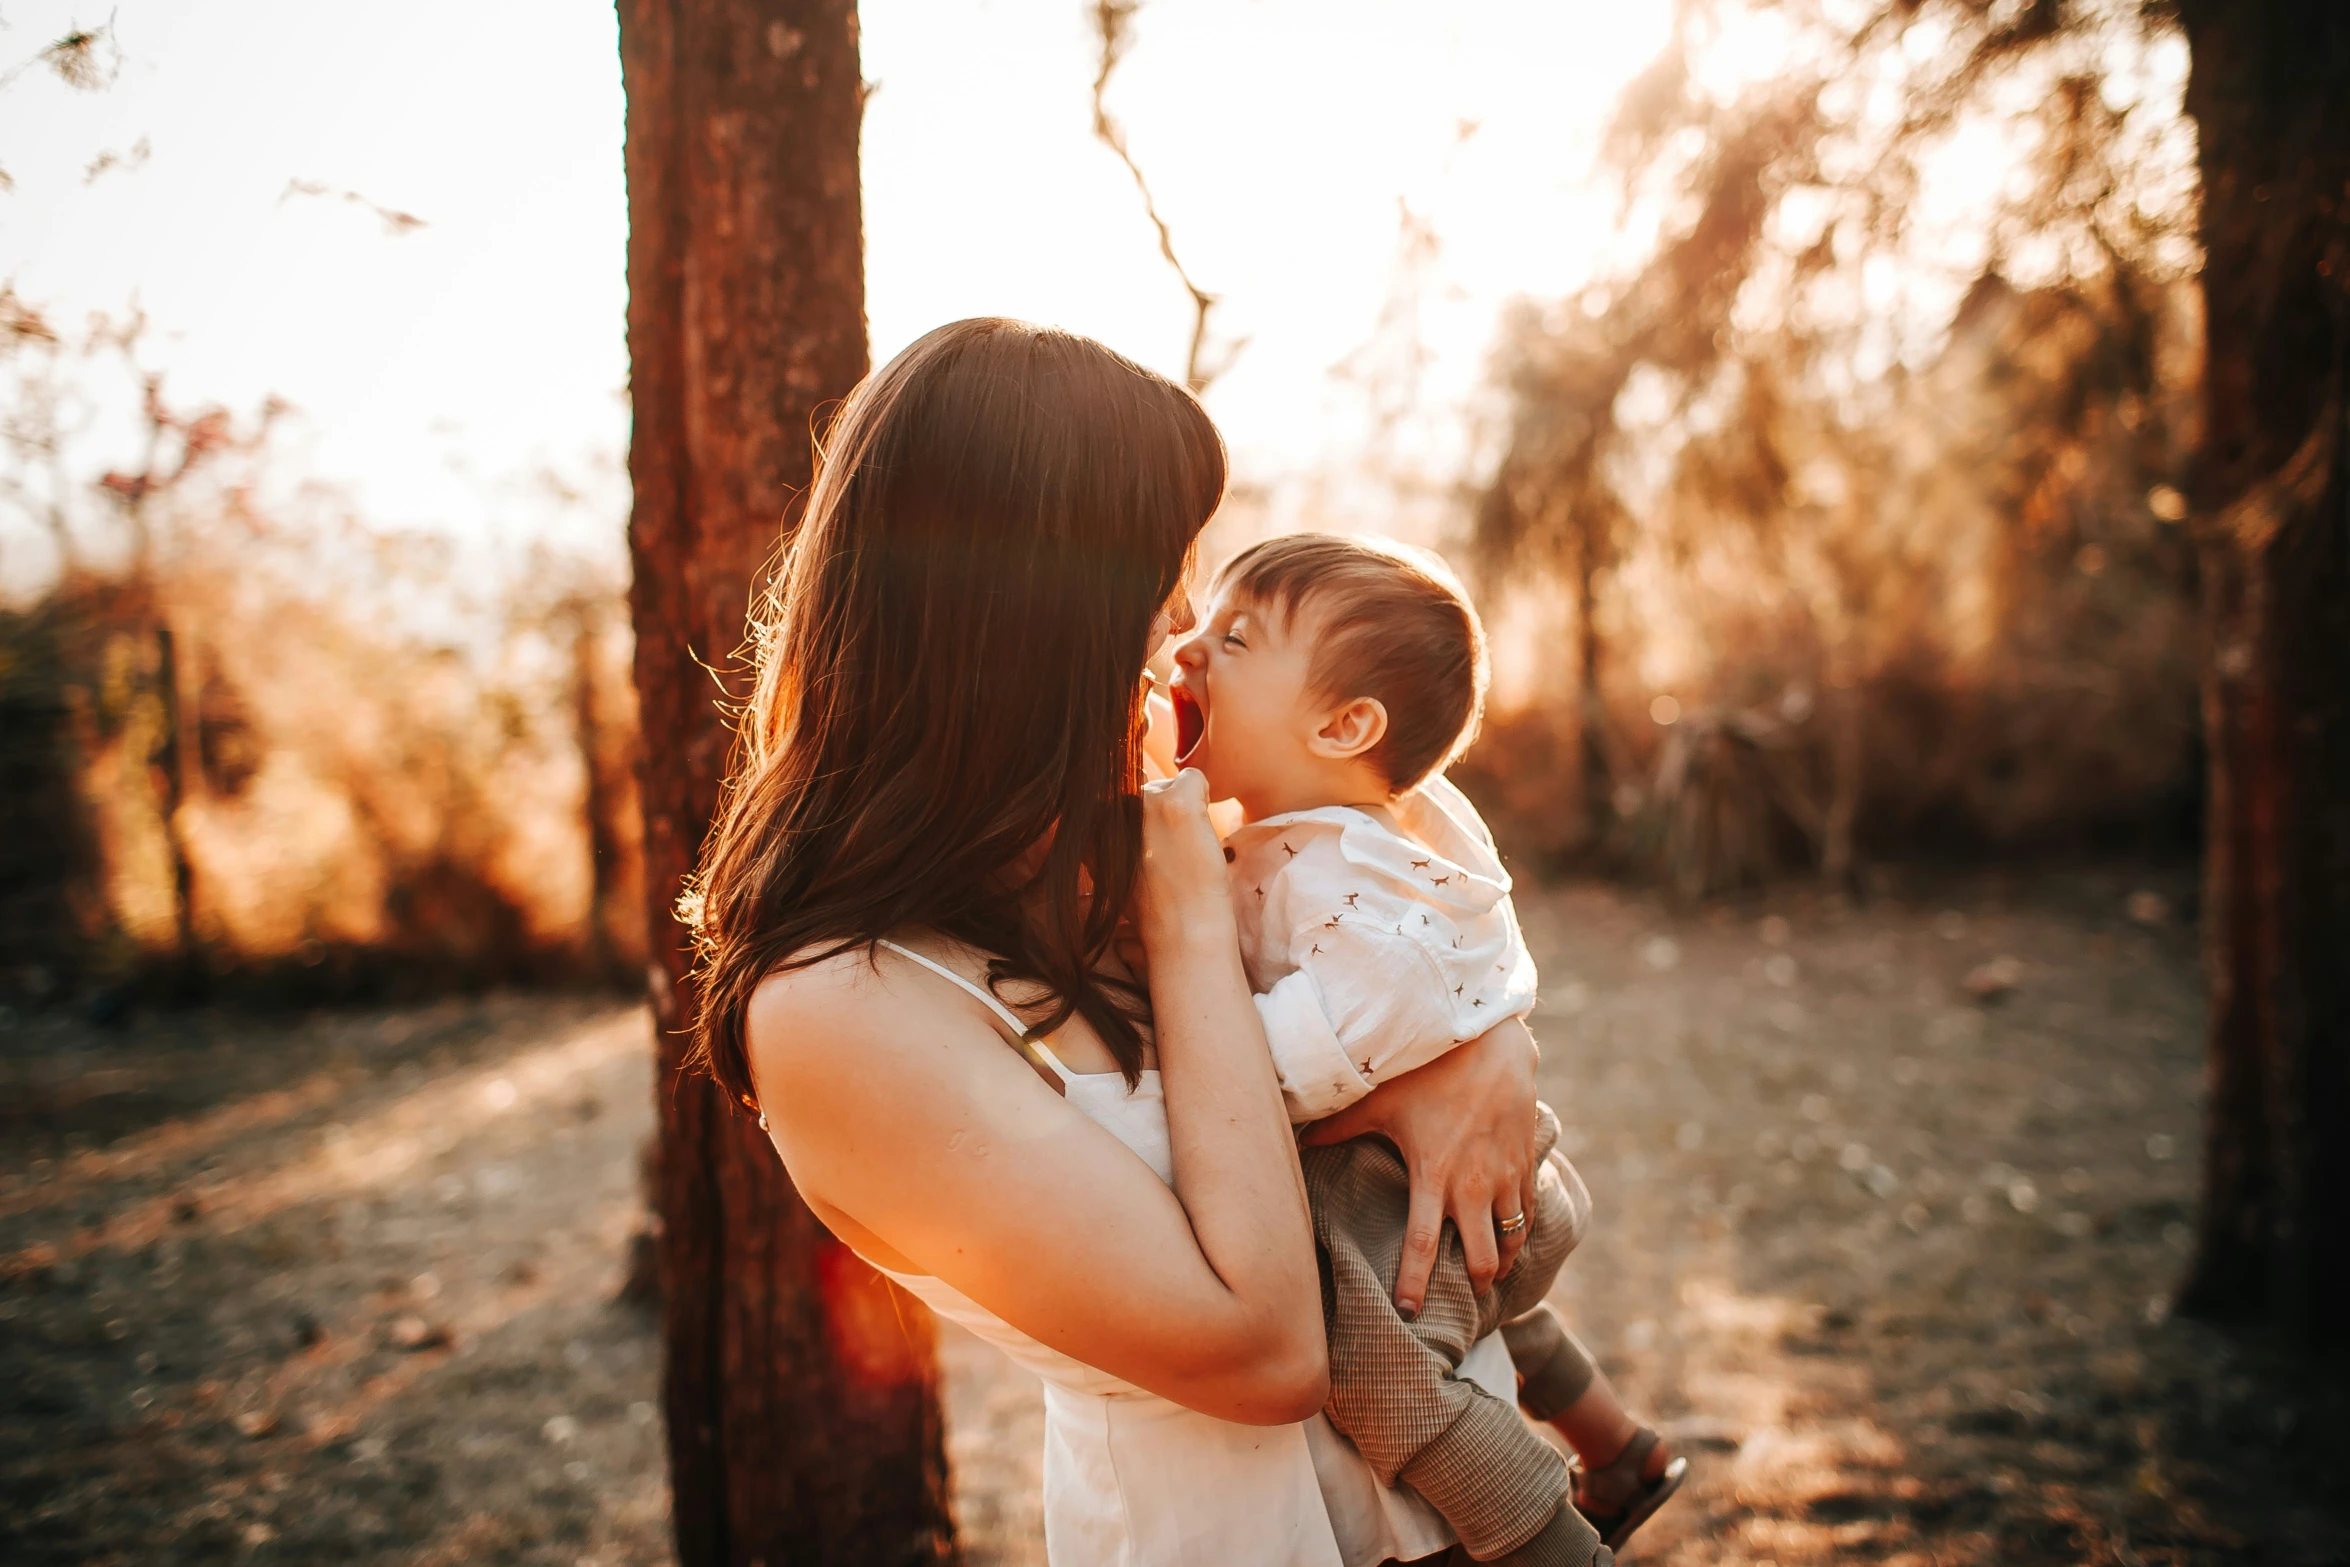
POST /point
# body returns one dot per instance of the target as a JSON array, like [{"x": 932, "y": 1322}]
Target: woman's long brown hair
[{"x": 950, "y": 675}]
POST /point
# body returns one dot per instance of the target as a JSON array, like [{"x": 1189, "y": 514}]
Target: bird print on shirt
[{"x": 1378, "y": 897}]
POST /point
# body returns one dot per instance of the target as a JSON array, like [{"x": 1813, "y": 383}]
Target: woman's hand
[
  {"x": 1181, "y": 891},
  {"x": 1465, "y": 1124}
]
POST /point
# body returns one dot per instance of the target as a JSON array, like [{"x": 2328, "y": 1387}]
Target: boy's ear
[{"x": 1351, "y": 731}]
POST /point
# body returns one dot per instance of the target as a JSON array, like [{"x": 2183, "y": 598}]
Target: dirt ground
[{"x": 1886, "y": 1253}]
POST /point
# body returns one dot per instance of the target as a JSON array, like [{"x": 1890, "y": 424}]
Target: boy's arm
[
  {"x": 1318, "y": 1076},
  {"x": 1363, "y": 1005},
  {"x": 1395, "y": 1388}
]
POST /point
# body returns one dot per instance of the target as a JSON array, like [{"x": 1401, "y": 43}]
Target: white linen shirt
[{"x": 1371, "y": 952}]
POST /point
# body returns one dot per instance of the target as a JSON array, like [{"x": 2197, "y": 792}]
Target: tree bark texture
[
  {"x": 603, "y": 798},
  {"x": 800, "y": 1389},
  {"x": 2269, "y": 88}
]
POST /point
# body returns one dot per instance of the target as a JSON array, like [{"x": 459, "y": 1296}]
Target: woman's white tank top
[{"x": 1135, "y": 1480}]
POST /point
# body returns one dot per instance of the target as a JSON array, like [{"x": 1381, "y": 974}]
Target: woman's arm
[
  {"x": 1465, "y": 1124},
  {"x": 1235, "y": 1158},
  {"x": 895, "y": 1106}
]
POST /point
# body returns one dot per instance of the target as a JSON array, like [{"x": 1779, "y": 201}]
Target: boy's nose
[{"x": 1191, "y": 652}]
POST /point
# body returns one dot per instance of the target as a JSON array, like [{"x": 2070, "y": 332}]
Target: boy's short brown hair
[{"x": 1396, "y": 626}]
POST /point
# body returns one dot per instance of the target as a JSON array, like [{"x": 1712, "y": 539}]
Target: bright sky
[{"x": 436, "y": 369}]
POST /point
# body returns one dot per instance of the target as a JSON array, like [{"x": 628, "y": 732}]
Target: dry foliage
[
  {"x": 1846, "y": 518},
  {"x": 262, "y": 743}
]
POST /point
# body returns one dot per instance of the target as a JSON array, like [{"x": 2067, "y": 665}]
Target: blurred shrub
[
  {"x": 357, "y": 813},
  {"x": 253, "y": 746},
  {"x": 50, "y": 918}
]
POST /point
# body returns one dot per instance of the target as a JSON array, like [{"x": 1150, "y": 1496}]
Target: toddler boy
[{"x": 1328, "y": 687}]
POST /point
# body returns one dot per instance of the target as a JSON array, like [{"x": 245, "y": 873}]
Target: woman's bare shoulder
[
  {"x": 796, "y": 1010},
  {"x": 800, "y": 983},
  {"x": 844, "y": 1014}
]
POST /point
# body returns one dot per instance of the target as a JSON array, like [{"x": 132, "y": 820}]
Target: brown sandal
[{"x": 1618, "y": 1499}]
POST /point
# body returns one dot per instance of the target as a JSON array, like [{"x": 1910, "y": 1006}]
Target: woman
[{"x": 937, "y": 831}]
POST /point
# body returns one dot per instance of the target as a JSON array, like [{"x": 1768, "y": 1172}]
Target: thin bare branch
[
  {"x": 1112, "y": 22},
  {"x": 110, "y": 161},
  {"x": 395, "y": 222}
]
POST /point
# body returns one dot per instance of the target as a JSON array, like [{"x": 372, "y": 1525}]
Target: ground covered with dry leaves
[{"x": 1889, "y": 1197}]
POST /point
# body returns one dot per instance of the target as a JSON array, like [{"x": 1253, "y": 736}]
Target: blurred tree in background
[
  {"x": 2270, "y": 94},
  {"x": 802, "y": 1400}
]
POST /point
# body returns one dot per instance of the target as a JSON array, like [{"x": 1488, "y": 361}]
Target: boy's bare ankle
[
  {"x": 1599, "y": 1429},
  {"x": 1596, "y": 1428}
]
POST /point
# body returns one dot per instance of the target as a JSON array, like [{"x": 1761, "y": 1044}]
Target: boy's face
[{"x": 1245, "y": 709}]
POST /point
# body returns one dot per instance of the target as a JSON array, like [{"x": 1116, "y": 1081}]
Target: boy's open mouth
[{"x": 1191, "y": 721}]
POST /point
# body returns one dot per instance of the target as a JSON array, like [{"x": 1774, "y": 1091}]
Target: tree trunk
[
  {"x": 175, "y": 761},
  {"x": 599, "y": 803},
  {"x": 2270, "y": 92},
  {"x": 1595, "y": 778},
  {"x": 1847, "y": 760},
  {"x": 800, "y": 1390}
]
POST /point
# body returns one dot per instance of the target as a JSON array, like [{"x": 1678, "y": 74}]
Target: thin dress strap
[{"x": 1024, "y": 1039}]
